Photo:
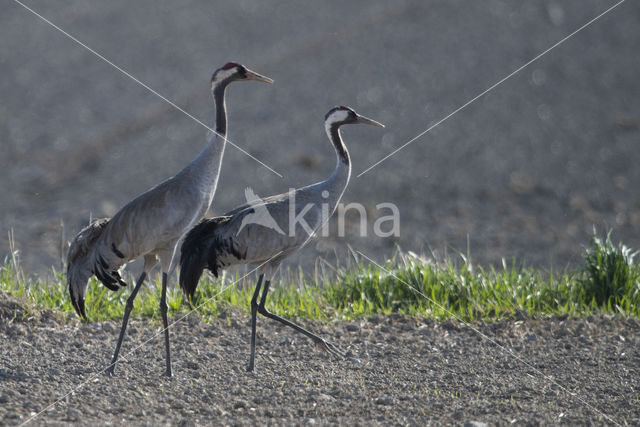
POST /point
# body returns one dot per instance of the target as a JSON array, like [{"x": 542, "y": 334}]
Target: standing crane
[
  {"x": 151, "y": 225},
  {"x": 230, "y": 239}
]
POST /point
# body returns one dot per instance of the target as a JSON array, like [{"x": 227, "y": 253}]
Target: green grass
[{"x": 608, "y": 281}]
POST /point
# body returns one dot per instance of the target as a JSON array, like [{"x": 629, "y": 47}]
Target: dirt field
[
  {"x": 410, "y": 372},
  {"x": 525, "y": 172}
]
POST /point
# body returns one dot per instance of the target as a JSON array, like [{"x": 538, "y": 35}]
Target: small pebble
[
  {"x": 240, "y": 404},
  {"x": 385, "y": 400}
]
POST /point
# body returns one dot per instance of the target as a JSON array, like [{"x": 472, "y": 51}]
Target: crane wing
[{"x": 80, "y": 262}]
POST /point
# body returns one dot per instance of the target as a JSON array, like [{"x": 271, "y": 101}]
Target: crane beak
[
  {"x": 366, "y": 121},
  {"x": 251, "y": 75}
]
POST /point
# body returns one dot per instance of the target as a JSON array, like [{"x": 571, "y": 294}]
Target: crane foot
[{"x": 329, "y": 348}]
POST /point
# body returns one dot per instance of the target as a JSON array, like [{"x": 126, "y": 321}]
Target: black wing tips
[
  {"x": 194, "y": 254},
  {"x": 192, "y": 263},
  {"x": 80, "y": 269},
  {"x": 191, "y": 268},
  {"x": 111, "y": 279},
  {"x": 77, "y": 281},
  {"x": 78, "y": 272},
  {"x": 77, "y": 300}
]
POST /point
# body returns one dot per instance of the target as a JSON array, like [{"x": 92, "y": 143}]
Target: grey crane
[
  {"x": 231, "y": 239},
  {"x": 151, "y": 225}
]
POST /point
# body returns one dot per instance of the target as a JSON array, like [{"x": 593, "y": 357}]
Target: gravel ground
[{"x": 410, "y": 372}]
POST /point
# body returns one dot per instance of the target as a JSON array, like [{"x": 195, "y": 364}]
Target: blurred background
[{"x": 523, "y": 173}]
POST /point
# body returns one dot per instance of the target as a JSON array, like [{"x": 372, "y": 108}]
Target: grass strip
[{"x": 608, "y": 281}]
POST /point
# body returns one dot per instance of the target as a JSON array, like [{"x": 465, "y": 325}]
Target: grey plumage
[
  {"x": 151, "y": 225},
  {"x": 232, "y": 239}
]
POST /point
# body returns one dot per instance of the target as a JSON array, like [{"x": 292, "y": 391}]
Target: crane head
[
  {"x": 344, "y": 115},
  {"x": 233, "y": 71}
]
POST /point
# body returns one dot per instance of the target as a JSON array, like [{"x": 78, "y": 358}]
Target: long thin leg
[
  {"x": 254, "y": 310},
  {"x": 324, "y": 344},
  {"x": 127, "y": 309},
  {"x": 165, "y": 323}
]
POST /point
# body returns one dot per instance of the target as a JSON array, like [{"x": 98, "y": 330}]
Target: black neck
[
  {"x": 336, "y": 140},
  {"x": 221, "y": 112}
]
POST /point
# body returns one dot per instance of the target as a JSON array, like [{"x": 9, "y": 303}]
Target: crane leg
[
  {"x": 254, "y": 310},
  {"x": 324, "y": 344},
  {"x": 165, "y": 323},
  {"x": 125, "y": 319}
]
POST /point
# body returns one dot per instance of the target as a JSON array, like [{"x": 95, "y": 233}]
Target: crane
[
  {"x": 231, "y": 239},
  {"x": 151, "y": 225}
]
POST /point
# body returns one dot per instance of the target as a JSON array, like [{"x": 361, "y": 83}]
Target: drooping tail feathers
[
  {"x": 81, "y": 265},
  {"x": 78, "y": 266},
  {"x": 196, "y": 254}
]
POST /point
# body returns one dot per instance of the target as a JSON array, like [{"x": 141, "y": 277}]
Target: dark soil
[{"x": 410, "y": 371}]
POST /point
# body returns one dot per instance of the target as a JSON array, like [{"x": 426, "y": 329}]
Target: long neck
[
  {"x": 340, "y": 176},
  {"x": 205, "y": 168},
  {"x": 221, "y": 111},
  {"x": 210, "y": 159}
]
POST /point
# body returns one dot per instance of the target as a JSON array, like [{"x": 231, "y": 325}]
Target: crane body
[
  {"x": 151, "y": 225},
  {"x": 228, "y": 240}
]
